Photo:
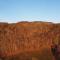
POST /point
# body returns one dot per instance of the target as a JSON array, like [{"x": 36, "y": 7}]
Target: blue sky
[{"x": 29, "y": 10}]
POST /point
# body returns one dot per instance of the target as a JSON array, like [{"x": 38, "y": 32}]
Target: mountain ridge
[{"x": 27, "y": 36}]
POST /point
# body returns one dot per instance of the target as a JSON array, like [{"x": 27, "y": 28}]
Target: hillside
[{"x": 28, "y": 40}]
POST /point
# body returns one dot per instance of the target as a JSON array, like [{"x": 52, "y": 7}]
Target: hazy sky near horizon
[{"x": 29, "y": 10}]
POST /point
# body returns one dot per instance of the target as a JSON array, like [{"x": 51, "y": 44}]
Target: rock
[{"x": 16, "y": 38}]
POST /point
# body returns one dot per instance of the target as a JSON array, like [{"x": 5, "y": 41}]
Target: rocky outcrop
[{"x": 22, "y": 37}]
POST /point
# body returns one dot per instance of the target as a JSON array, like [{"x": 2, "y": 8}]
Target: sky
[{"x": 29, "y": 10}]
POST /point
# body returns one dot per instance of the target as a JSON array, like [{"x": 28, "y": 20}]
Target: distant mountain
[{"x": 22, "y": 37}]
